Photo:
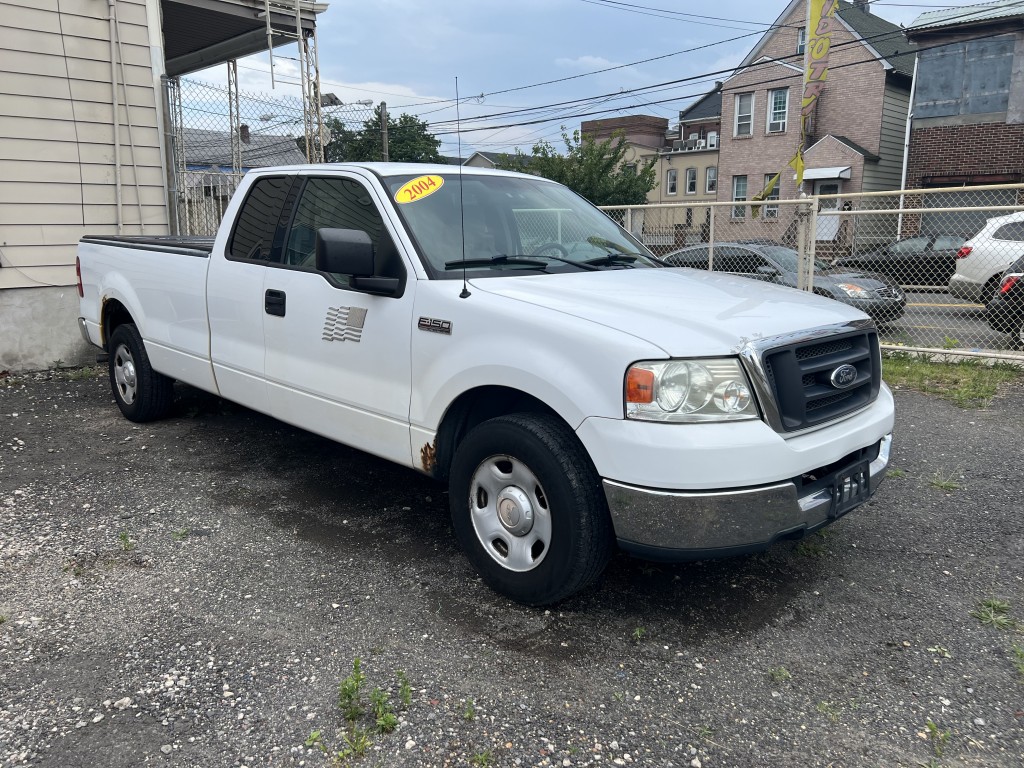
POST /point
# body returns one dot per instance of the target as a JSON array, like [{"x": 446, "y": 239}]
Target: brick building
[
  {"x": 857, "y": 130},
  {"x": 968, "y": 114}
]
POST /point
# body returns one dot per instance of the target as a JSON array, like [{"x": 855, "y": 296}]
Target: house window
[
  {"x": 801, "y": 39},
  {"x": 778, "y": 108},
  {"x": 711, "y": 179},
  {"x": 691, "y": 181},
  {"x": 712, "y": 139},
  {"x": 744, "y": 121},
  {"x": 670, "y": 181},
  {"x": 629, "y": 169},
  {"x": 771, "y": 211},
  {"x": 739, "y": 193}
]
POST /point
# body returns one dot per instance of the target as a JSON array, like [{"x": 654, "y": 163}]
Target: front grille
[
  {"x": 800, "y": 376},
  {"x": 886, "y": 293}
]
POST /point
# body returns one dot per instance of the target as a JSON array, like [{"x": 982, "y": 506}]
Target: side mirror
[
  {"x": 344, "y": 252},
  {"x": 350, "y": 252}
]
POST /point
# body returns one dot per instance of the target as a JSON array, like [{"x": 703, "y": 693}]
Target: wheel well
[
  {"x": 469, "y": 409},
  {"x": 114, "y": 314}
]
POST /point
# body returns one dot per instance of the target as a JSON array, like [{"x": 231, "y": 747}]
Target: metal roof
[
  {"x": 968, "y": 14},
  {"x": 213, "y": 148}
]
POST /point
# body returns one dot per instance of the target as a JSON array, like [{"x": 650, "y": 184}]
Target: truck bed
[{"x": 188, "y": 246}]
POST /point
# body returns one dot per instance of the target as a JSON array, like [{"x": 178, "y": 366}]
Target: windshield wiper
[
  {"x": 613, "y": 260},
  {"x": 495, "y": 261}
]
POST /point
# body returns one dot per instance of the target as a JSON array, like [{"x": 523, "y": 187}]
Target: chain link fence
[
  {"x": 218, "y": 133},
  {"x": 935, "y": 268}
]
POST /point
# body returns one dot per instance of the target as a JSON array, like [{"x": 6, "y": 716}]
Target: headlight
[
  {"x": 689, "y": 391},
  {"x": 854, "y": 291}
]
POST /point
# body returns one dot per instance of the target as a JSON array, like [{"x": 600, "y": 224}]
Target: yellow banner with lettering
[{"x": 819, "y": 42}]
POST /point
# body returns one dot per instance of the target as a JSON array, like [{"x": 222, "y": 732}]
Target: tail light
[
  {"x": 964, "y": 252},
  {"x": 78, "y": 274},
  {"x": 1008, "y": 282}
]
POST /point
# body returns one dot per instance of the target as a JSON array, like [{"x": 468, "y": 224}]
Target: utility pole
[{"x": 384, "y": 130}]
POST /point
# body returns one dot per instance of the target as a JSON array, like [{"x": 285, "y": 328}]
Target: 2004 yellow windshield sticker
[{"x": 418, "y": 188}]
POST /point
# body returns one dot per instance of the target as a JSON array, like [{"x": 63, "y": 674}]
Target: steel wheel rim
[
  {"x": 125, "y": 377},
  {"x": 510, "y": 513}
]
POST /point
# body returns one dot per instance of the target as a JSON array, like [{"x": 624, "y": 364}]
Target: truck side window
[
  {"x": 341, "y": 204},
  {"x": 258, "y": 219}
]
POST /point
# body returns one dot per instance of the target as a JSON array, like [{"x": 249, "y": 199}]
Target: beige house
[
  {"x": 83, "y": 149},
  {"x": 857, "y": 130}
]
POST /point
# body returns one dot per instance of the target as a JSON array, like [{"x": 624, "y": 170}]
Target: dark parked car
[
  {"x": 923, "y": 260},
  {"x": 1005, "y": 312},
  {"x": 876, "y": 295}
]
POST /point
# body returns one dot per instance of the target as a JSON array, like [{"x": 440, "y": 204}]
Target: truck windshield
[{"x": 501, "y": 224}]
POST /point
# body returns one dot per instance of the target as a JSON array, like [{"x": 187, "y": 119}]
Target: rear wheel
[
  {"x": 990, "y": 289},
  {"x": 528, "y": 508},
  {"x": 141, "y": 393}
]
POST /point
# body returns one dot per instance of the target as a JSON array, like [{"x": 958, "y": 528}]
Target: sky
[{"x": 409, "y": 53}]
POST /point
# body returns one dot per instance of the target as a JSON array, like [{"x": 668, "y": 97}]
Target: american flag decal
[{"x": 344, "y": 324}]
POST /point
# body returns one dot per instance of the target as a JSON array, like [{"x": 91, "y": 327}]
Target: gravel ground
[{"x": 192, "y": 593}]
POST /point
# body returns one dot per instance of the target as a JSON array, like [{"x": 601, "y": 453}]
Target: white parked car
[{"x": 984, "y": 258}]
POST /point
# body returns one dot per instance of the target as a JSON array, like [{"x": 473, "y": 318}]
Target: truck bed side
[{"x": 161, "y": 283}]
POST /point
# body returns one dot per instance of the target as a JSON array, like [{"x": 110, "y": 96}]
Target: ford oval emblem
[{"x": 844, "y": 376}]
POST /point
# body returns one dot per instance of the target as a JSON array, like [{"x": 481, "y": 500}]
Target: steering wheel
[{"x": 551, "y": 247}]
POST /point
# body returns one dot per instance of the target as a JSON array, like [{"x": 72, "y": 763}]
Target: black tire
[
  {"x": 989, "y": 291},
  {"x": 141, "y": 393},
  {"x": 562, "y": 491}
]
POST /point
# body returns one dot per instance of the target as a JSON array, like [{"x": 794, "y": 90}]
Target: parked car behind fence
[
  {"x": 984, "y": 257},
  {"x": 923, "y": 260}
]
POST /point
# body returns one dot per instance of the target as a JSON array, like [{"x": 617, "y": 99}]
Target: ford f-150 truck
[{"x": 500, "y": 334}]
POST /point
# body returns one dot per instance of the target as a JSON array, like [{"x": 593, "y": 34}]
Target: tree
[
  {"x": 594, "y": 169},
  {"x": 409, "y": 141}
]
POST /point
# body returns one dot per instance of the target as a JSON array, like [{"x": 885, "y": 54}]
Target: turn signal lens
[
  {"x": 964, "y": 252},
  {"x": 640, "y": 386},
  {"x": 1008, "y": 282}
]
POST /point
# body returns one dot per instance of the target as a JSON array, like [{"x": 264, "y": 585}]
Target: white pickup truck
[{"x": 497, "y": 332}]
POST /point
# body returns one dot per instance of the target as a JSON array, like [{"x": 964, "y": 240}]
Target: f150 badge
[
  {"x": 344, "y": 324},
  {"x": 434, "y": 325}
]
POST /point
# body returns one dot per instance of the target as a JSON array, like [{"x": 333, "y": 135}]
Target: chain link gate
[
  {"x": 928, "y": 264},
  {"x": 219, "y": 132}
]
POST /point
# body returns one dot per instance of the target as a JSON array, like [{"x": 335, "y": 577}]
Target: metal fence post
[
  {"x": 711, "y": 238},
  {"x": 629, "y": 220},
  {"x": 802, "y": 215},
  {"x": 384, "y": 131},
  {"x": 812, "y": 241}
]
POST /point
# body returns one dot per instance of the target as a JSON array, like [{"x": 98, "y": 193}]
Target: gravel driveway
[{"x": 193, "y": 592}]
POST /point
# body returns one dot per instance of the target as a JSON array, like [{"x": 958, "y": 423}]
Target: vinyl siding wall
[
  {"x": 57, "y": 164},
  {"x": 887, "y": 172}
]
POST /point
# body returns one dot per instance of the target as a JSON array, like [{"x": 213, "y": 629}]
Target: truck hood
[{"x": 685, "y": 312}]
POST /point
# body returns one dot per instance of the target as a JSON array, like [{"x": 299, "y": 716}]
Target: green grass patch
[{"x": 967, "y": 383}]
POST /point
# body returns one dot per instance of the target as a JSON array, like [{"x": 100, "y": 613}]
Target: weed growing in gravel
[
  {"x": 404, "y": 689},
  {"x": 3, "y": 619},
  {"x": 357, "y": 741},
  {"x": 81, "y": 374},
  {"x": 1018, "y": 655},
  {"x": 383, "y": 714},
  {"x": 779, "y": 674},
  {"x": 57, "y": 364},
  {"x": 315, "y": 740},
  {"x": 704, "y": 733},
  {"x": 830, "y": 710},
  {"x": 809, "y": 548},
  {"x": 944, "y": 482},
  {"x": 126, "y": 543},
  {"x": 993, "y": 612},
  {"x": 896, "y": 473},
  {"x": 180, "y": 535},
  {"x": 940, "y": 651},
  {"x": 638, "y": 634},
  {"x": 482, "y": 759},
  {"x": 938, "y": 738},
  {"x": 349, "y": 699},
  {"x": 469, "y": 711}
]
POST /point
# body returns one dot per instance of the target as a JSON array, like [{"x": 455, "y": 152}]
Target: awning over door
[{"x": 835, "y": 172}]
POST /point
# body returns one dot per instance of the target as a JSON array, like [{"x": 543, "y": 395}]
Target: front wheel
[
  {"x": 528, "y": 508},
  {"x": 141, "y": 393}
]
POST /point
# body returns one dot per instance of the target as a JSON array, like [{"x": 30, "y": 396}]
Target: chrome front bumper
[{"x": 687, "y": 525}]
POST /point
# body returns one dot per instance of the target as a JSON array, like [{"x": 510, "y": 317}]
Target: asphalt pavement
[{"x": 194, "y": 591}]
